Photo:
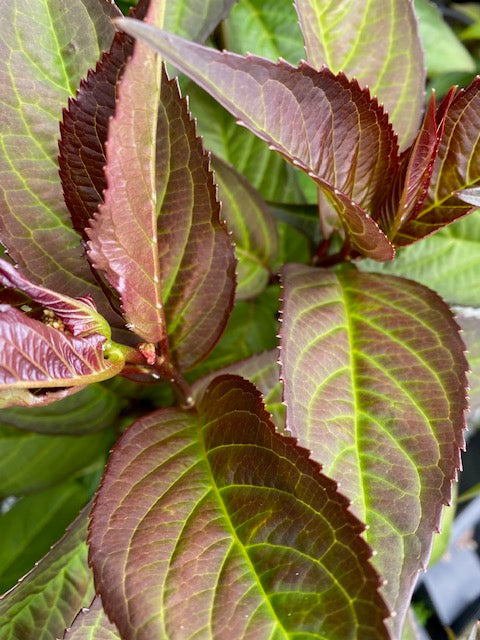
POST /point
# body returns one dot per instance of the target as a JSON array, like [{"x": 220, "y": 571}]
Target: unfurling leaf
[
  {"x": 322, "y": 123},
  {"x": 34, "y": 355},
  {"x": 374, "y": 376},
  {"x": 216, "y": 501}
]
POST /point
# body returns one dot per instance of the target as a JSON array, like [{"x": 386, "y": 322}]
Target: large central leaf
[
  {"x": 375, "y": 384},
  {"x": 211, "y": 525}
]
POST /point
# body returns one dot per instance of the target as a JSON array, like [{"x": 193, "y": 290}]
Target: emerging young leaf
[
  {"x": 34, "y": 355},
  {"x": 63, "y": 578},
  {"x": 324, "y": 124},
  {"x": 261, "y": 542},
  {"x": 457, "y": 167},
  {"x": 376, "y": 42},
  {"x": 252, "y": 226},
  {"x": 375, "y": 385},
  {"x": 44, "y": 52}
]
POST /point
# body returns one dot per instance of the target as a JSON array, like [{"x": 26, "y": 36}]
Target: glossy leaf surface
[
  {"x": 42, "y": 62},
  {"x": 182, "y": 503},
  {"x": 35, "y": 355},
  {"x": 457, "y": 167},
  {"x": 375, "y": 385},
  {"x": 63, "y": 577},
  {"x": 252, "y": 226},
  {"x": 376, "y": 42},
  {"x": 322, "y": 123}
]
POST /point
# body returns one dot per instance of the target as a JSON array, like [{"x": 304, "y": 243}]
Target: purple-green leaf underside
[
  {"x": 45, "y": 49},
  {"x": 50, "y": 595},
  {"x": 456, "y": 168},
  {"x": 213, "y": 525},
  {"x": 376, "y": 42},
  {"x": 34, "y": 355},
  {"x": 375, "y": 386},
  {"x": 322, "y": 123}
]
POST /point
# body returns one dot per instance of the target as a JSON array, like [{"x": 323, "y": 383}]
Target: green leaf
[
  {"x": 302, "y": 114},
  {"x": 92, "y": 409},
  {"x": 48, "y": 598},
  {"x": 44, "y": 52},
  {"x": 32, "y": 525},
  {"x": 376, "y": 42},
  {"x": 457, "y": 167},
  {"x": 375, "y": 386},
  {"x": 182, "y": 504},
  {"x": 448, "y": 262},
  {"x": 469, "y": 321},
  {"x": 252, "y": 227},
  {"x": 444, "y": 52},
  {"x": 92, "y": 624},
  {"x": 268, "y": 28},
  {"x": 32, "y": 462},
  {"x": 195, "y": 19}
]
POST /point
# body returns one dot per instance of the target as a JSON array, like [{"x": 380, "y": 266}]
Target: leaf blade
[
  {"x": 372, "y": 347},
  {"x": 209, "y": 515}
]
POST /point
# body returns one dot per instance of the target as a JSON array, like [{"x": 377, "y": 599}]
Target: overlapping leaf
[
  {"x": 62, "y": 577},
  {"x": 92, "y": 624},
  {"x": 457, "y": 167},
  {"x": 260, "y": 541},
  {"x": 44, "y": 51},
  {"x": 323, "y": 123},
  {"x": 35, "y": 355},
  {"x": 374, "y": 376},
  {"x": 376, "y": 42},
  {"x": 195, "y": 19},
  {"x": 92, "y": 409},
  {"x": 252, "y": 226}
]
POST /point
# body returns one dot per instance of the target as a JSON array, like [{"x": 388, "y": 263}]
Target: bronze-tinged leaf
[
  {"x": 212, "y": 525},
  {"x": 457, "y": 167},
  {"x": 78, "y": 315},
  {"x": 34, "y": 355},
  {"x": 376, "y": 42},
  {"x": 45, "y": 49},
  {"x": 323, "y": 123},
  {"x": 374, "y": 383}
]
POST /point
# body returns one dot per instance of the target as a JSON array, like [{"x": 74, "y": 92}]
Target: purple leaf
[
  {"x": 260, "y": 541},
  {"x": 374, "y": 376},
  {"x": 322, "y": 123},
  {"x": 457, "y": 167},
  {"x": 34, "y": 355}
]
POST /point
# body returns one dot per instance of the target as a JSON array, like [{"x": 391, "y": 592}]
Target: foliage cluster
[{"x": 255, "y": 331}]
